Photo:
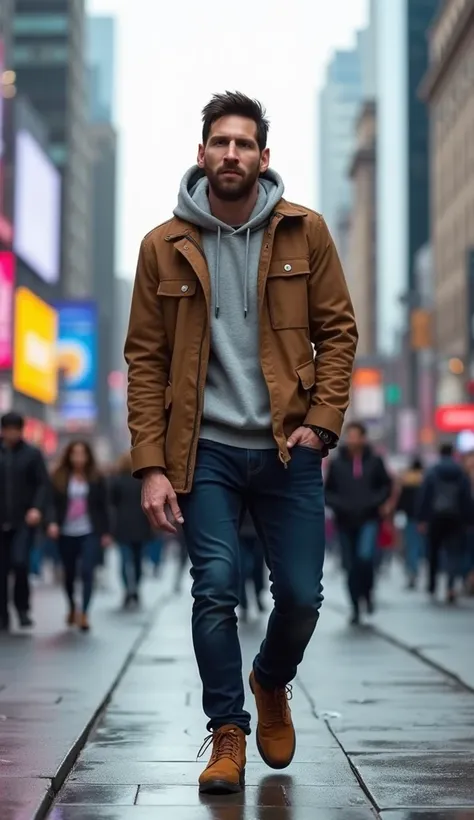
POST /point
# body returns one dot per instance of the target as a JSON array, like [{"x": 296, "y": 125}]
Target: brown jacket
[{"x": 302, "y": 297}]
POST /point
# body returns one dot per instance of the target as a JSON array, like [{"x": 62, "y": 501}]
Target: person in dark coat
[
  {"x": 407, "y": 503},
  {"x": 130, "y": 527},
  {"x": 81, "y": 521},
  {"x": 444, "y": 515},
  {"x": 357, "y": 489},
  {"x": 24, "y": 490}
]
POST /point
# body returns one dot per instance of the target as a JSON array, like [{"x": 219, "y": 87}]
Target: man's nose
[{"x": 231, "y": 155}]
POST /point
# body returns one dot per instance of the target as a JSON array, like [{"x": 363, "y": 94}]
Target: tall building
[
  {"x": 448, "y": 90},
  {"x": 339, "y": 105},
  {"x": 361, "y": 268},
  {"x": 6, "y": 19},
  {"x": 402, "y": 159},
  {"x": 48, "y": 57},
  {"x": 103, "y": 140}
]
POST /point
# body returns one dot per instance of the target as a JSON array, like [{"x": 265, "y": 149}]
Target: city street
[{"x": 384, "y": 716}]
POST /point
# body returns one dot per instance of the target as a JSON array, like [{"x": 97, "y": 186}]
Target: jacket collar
[{"x": 177, "y": 228}]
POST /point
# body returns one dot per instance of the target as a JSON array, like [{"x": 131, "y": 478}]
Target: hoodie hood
[{"x": 193, "y": 206}]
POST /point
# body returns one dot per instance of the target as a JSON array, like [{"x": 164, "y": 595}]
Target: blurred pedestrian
[
  {"x": 468, "y": 464},
  {"x": 80, "y": 520},
  {"x": 408, "y": 504},
  {"x": 444, "y": 514},
  {"x": 253, "y": 565},
  {"x": 226, "y": 403},
  {"x": 358, "y": 488},
  {"x": 24, "y": 489},
  {"x": 130, "y": 527},
  {"x": 183, "y": 558}
]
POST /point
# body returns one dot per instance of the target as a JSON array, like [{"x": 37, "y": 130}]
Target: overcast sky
[{"x": 173, "y": 56}]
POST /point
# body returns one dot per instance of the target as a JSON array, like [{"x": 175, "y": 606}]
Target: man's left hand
[
  {"x": 305, "y": 437},
  {"x": 33, "y": 517}
]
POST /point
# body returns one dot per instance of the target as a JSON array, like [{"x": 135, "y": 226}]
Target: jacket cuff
[
  {"x": 147, "y": 456},
  {"x": 323, "y": 416}
]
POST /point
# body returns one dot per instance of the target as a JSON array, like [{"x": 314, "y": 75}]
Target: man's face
[
  {"x": 232, "y": 158},
  {"x": 355, "y": 440},
  {"x": 11, "y": 435}
]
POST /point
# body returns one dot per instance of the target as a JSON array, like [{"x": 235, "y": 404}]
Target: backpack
[{"x": 447, "y": 499}]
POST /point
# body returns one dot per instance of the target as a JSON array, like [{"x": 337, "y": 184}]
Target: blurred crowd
[{"x": 70, "y": 515}]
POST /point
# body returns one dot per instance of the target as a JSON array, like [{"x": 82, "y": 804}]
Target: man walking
[
  {"x": 357, "y": 488},
  {"x": 23, "y": 499},
  {"x": 445, "y": 513},
  {"x": 229, "y": 409}
]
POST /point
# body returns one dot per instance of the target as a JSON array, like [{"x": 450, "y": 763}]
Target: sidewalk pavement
[
  {"x": 381, "y": 731},
  {"x": 53, "y": 683}
]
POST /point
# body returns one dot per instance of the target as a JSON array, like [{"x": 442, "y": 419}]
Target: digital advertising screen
[
  {"x": 77, "y": 361},
  {"x": 7, "y": 283},
  {"x": 37, "y": 211},
  {"x": 34, "y": 351}
]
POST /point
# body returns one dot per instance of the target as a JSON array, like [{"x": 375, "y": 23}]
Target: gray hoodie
[{"x": 236, "y": 400}]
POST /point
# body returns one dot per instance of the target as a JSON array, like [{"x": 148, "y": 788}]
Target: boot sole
[
  {"x": 270, "y": 763},
  {"x": 222, "y": 786}
]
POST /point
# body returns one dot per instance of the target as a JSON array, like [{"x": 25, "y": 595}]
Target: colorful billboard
[
  {"x": 7, "y": 278},
  {"x": 34, "y": 351},
  {"x": 77, "y": 362}
]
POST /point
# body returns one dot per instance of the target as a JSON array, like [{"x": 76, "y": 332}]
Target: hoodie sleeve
[
  {"x": 332, "y": 329},
  {"x": 148, "y": 356}
]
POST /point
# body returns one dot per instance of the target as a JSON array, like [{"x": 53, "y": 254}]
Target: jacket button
[
  {"x": 184, "y": 288},
  {"x": 287, "y": 267}
]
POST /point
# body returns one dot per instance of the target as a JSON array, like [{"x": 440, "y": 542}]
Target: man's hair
[
  {"x": 357, "y": 425},
  {"x": 12, "y": 419},
  {"x": 446, "y": 450},
  {"x": 233, "y": 103}
]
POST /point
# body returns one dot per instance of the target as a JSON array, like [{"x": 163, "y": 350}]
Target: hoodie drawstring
[
  {"x": 246, "y": 273},
  {"x": 218, "y": 270}
]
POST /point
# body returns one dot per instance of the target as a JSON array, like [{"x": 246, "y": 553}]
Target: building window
[
  {"x": 40, "y": 24},
  {"x": 26, "y": 54},
  {"x": 58, "y": 153}
]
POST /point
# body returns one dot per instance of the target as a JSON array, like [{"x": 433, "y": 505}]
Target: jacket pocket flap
[
  {"x": 177, "y": 288},
  {"x": 306, "y": 375},
  {"x": 288, "y": 267}
]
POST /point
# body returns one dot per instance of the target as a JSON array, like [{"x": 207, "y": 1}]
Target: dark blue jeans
[
  {"x": 80, "y": 551},
  {"x": 287, "y": 506}
]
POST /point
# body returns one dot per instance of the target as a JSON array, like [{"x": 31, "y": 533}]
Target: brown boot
[
  {"x": 225, "y": 772},
  {"x": 276, "y": 739}
]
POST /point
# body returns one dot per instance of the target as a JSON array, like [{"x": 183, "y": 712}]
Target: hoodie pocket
[{"x": 287, "y": 293}]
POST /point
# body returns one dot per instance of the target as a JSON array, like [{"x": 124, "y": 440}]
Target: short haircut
[
  {"x": 357, "y": 425},
  {"x": 12, "y": 419},
  {"x": 446, "y": 450},
  {"x": 233, "y": 103}
]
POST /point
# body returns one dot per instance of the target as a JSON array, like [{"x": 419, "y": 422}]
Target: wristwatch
[{"x": 328, "y": 438}]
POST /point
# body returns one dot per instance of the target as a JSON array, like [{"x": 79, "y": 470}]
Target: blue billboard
[{"x": 77, "y": 361}]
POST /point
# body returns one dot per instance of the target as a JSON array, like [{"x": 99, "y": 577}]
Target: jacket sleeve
[
  {"x": 332, "y": 329},
  {"x": 42, "y": 493},
  {"x": 148, "y": 357}
]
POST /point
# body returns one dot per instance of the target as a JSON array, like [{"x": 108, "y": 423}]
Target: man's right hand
[{"x": 157, "y": 496}]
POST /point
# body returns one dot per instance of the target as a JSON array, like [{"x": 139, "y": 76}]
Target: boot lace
[
  {"x": 276, "y": 705},
  {"x": 224, "y": 744}
]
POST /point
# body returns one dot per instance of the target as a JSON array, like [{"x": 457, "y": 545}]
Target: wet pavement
[{"x": 382, "y": 731}]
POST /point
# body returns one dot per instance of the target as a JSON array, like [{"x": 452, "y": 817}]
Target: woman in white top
[{"x": 80, "y": 518}]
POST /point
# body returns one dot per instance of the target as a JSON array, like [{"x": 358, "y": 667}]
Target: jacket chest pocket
[
  {"x": 177, "y": 288},
  {"x": 287, "y": 294}
]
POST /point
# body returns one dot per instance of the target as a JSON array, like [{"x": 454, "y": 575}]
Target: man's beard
[{"x": 238, "y": 189}]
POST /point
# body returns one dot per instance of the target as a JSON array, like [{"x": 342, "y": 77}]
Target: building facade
[
  {"x": 361, "y": 269},
  {"x": 48, "y": 57},
  {"x": 100, "y": 49},
  {"x": 339, "y": 104},
  {"x": 448, "y": 90}
]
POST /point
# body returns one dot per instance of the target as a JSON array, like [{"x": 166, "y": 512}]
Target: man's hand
[
  {"x": 305, "y": 437},
  {"x": 33, "y": 517},
  {"x": 158, "y": 496},
  {"x": 53, "y": 532},
  {"x": 106, "y": 541}
]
